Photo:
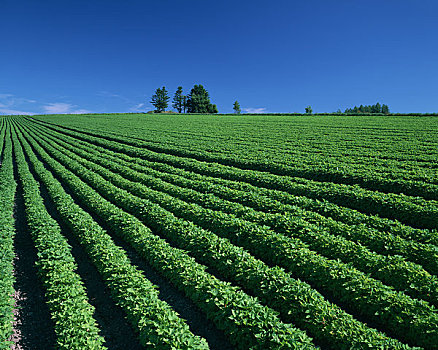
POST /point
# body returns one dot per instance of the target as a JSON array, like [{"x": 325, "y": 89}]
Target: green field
[{"x": 224, "y": 232}]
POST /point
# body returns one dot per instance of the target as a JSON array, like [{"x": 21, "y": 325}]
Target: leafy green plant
[
  {"x": 7, "y": 233},
  {"x": 71, "y": 312},
  {"x": 395, "y": 271},
  {"x": 198, "y": 242},
  {"x": 249, "y": 324},
  {"x": 290, "y": 210},
  {"x": 157, "y": 323}
]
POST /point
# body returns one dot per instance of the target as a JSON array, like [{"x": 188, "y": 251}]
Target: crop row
[
  {"x": 7, "y": 232},
  {"x": 70, "y": 310},
  {"x": 297, "y": 155},
  {"x": 3, "y": 135},
  {"x": 413, "y": 211},
  {"x": 382, "y": 178},
  {"x": 330, "y": 161},
  {"x": 278, "y": 201},
  {"x": 291, "y": 151},
  {"x": 395, "y": 271},
  {"x": 357, "y": 144},
  {"x": 288, "y": 145},
  {"x": 247, "y": 323},
  {"x": 374, "y": 182},
  {"x": 365, "y": 295},
  {"x": 158, "y": 325},
  {"x": 293, "y": 156},
  {"x": 295, "y": 300},
  {"x": 380, "y": 241}
]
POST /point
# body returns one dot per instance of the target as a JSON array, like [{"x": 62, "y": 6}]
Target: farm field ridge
[{"x": 282, "y": 231}]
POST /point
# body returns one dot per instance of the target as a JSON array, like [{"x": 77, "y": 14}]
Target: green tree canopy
[
  {"x": 385, "y": 109},
  {"x": 178, "y": 100},
  {"x": 236, "y": 107},
  {"x": 309, "y": 110},
  {"x": 377, "y": 108},
  {"x": 160, "y": 100},
  {"x": 198, "y": 101}
]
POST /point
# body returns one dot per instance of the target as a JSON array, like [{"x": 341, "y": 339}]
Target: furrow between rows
[
  {"x": 394, "y": 271},
  {"x": 305, "y": 254},
  {"x": 7, "y": 233},
  {"x": 246, "y": 322},
  {"x": 414, "y": 211},
  {"x": 373, "y": 183},
  {"x": 70, "y": 309},
  {"x": 272, "y": 199},
  {"x": 156, "y": 322}
]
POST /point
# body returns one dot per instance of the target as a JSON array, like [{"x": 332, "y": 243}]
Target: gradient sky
[{"x": 78, "y": 56}]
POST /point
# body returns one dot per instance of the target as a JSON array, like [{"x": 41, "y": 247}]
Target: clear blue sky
[{"x": 273, "y": 56}]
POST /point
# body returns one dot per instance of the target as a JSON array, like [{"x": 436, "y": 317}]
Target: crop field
[{"x": 129, "y": 231}]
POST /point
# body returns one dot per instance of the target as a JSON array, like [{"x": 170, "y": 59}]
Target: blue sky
[{"x": 272, "y": 56}]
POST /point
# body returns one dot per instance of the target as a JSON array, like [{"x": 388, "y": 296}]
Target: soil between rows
[
  {"x": 195, "y": 318},
  {"x": 33, "y": 327}
]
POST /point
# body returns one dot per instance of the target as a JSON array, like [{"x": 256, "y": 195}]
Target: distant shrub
[{"x": 164, "y": 112}]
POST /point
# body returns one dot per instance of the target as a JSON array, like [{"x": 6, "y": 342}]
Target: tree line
[
  {"x": 197, "y": 101},
  {"x": 371, "y": 109}
]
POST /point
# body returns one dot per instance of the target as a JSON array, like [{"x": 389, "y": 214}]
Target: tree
[
  {"x": 371, "y": 109},
  {"x": 198, "y": 101},
  {"x": 184, "y": 103},
  {"x": 160, "y": 100},
  {"x": 385, "y": 109},
  {"x": 377, "y": 108},
  {"x": 236, "y": 107},
  {"x": 309, "y": 110},
  {"x": 212, "y": 108},
  {"x": 178, "y": 99}
]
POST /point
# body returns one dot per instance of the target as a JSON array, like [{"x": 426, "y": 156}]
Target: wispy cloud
[
  {"x": 137, "y": 108},
  {"x": 10, "y": 100},
  {"x": 63, "y": 108},
  {"x": 253, "y": 110},
  {"x": 7, "y": 111},
  {"x": 56, "y": 108},
  {"x": 11, "y": 104},
  {"x": 112, "y": 95},
  {"x": 129, "y": 104}
]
